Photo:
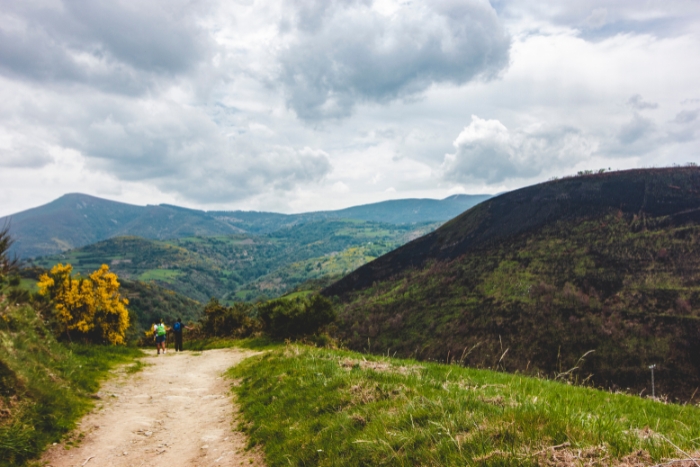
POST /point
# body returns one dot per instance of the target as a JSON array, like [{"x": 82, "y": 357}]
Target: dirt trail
[{"x": 176, "y": 412}]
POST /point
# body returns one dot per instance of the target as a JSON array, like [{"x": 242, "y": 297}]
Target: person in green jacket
[{"x": 161, "y": 335}]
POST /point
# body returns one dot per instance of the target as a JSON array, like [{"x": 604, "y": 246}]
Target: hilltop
[
  {"x": 75, "y": 220},
  {"x": 534, "y": 279}
]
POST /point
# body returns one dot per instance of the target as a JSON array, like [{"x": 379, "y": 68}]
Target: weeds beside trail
[
  {"x": 309, "y": 406},
  {"x": 44, "y": 385}
]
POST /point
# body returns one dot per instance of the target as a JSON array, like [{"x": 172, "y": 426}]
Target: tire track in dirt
[{"x": 176, "y": 412}]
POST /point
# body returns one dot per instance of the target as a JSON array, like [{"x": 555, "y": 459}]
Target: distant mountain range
[
  {"x": 593, "y": 277},
  {"x": 76, "y": 220}
]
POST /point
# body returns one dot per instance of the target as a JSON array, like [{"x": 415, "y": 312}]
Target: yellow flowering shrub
[{"x": 92, "y": 307}]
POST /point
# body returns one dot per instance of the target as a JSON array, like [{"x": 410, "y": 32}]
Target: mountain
[
  {"x": 534, "y": 279},
  {"x": 76, "y": 220},
  {"x": 243, "y": 266}
]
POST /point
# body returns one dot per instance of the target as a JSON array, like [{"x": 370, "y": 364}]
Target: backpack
[
  {"x": 160, "y": 330},
  {"x": 177, "y": 327}
]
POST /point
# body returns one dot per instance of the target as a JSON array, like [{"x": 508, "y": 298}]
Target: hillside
[
  {"x": 75, "y": 220},
  {"x": 534, "y": 279},
  {"x": 358, "y": 410},
  {"x": 243, "y": 267}
]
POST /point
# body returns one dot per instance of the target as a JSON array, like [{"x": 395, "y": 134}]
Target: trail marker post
[{"x": 653, "y": 392}]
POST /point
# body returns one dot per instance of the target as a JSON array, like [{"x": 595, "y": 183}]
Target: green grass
[
  {"x": 309, "y": 406},
  {"x": 165, "y": 275},
  {"x": 29, "y": 285},
  {"x": 252, "y": 343},
  {"x": 44, "y": 385}
]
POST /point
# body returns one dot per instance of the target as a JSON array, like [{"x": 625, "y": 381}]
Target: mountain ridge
[{"x": 74, "y": 220}]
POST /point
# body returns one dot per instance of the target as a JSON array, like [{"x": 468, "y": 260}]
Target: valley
[{"x": 244, "y": 267}]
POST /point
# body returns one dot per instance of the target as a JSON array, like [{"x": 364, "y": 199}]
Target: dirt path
[{"x": 176, "y": 412}]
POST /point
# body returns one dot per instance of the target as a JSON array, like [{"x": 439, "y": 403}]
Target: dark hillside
[
  {"x": 534, "y": 279},
  {"x": 648, "y": 193}
]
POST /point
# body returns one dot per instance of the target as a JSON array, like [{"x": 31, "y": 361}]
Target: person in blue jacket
[{"x": 177, "y": 332}]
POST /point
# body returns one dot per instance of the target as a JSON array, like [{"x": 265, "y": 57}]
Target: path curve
[{"x": 176, "y": 412}]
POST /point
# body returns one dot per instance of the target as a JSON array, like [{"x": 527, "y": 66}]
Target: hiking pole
[{"x": 651, "y": 367}]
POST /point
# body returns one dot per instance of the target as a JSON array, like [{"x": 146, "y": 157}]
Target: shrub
[
  {"x": 298, "y": 317},
  {"x": 236, "y": 320}
]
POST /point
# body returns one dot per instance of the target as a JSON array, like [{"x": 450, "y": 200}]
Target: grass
[
  {"x": 252, "y": 343},
  {"x": 309, "y": 406},
  {"x": 165, "y": 275},
  {"x": 45, "y": 386}
]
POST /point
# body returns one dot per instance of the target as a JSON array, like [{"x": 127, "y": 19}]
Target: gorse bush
[
  {"x": 296, "y": 317},
  {"x": 90, "y": 307}
]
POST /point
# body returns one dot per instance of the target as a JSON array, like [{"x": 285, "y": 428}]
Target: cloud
[
  {"x": 181, "y": 150},
  {"x": 597, "y": 18},
  {"x": 600, "y": 19},
  {"x": 636, "y": 102},
  {"x": 686, "y": 116},
  {"x": 110, "y": 45},
  {"x": 487, "y": 151},
  {"x": 25, "y": 154},
  {"x": 635, "y": 130},
  {"x": 341, "y": 53}
]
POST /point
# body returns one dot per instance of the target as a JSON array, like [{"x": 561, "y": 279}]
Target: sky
[{"x": 295, "y": 106}]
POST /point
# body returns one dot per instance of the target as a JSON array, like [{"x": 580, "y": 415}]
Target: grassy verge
[
  {"x": 309, "y": 406},
  {"x": 253, "y": 343},
  {"x": 44, "y": 385}
]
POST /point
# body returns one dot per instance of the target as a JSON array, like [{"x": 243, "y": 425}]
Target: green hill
[
  {"x": 534, "y": 279},
  {"x": 243, "y": 267},
  {"x": 76, "y": 220}
]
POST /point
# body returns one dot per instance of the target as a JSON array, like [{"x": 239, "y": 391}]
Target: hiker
[
  {"x": 177, "y": 328},
  {"x": 177, "y": 331},
  {"x": 161, "y": 334}
]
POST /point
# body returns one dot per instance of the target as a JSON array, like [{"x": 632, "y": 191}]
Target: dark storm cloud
[
  {"x": 109, "y": 45},
  {"x": 345, "y": 52}
]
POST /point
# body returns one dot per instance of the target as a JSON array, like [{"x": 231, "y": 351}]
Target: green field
[
  {"x": 163, "y": 275},
  {"x": 308, "y": 406}
]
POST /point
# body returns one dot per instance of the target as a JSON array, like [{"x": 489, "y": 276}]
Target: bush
[
  {"x": 235, "y": 321},
  {"x": 298, "y": 317}
]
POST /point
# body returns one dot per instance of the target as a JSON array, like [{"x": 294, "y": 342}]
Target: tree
[
  {"x": 8, "y": 266},
  {"x": 91, "y": 306},
  {"x": 296, "y": 317}
]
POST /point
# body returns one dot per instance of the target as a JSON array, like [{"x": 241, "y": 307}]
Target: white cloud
[{"x": 487, "y": 150}]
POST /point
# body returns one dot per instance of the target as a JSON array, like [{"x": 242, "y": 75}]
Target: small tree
[
  {"x": 298, "y": 317},
  {"x": 220, "y": 320},
  {"x": 8, "y": 266},
  {"x": 90, "y": 306}
]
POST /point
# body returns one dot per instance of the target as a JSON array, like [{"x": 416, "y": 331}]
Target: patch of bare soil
[{"x": 176, "y": 412}]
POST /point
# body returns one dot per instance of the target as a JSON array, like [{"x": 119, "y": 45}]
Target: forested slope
[{"x": 534, "y": 279}]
